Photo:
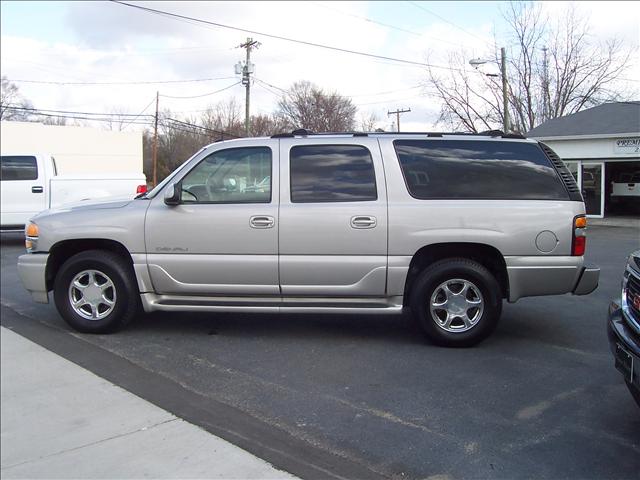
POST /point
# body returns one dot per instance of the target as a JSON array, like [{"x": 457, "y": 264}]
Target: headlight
[{"x": 31, "y": 233}]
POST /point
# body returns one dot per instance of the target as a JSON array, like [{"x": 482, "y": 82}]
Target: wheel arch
[
  {"x": 487, "y": 255},
  {"x": 63, "y": 250}
]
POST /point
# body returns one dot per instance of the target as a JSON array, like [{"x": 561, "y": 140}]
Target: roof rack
[{"x": 303, "y": 132}]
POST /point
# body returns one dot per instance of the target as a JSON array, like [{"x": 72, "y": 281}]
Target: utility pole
[
  {"x": 545, "y": 86},
  {"x": 155, "y": 143},
  {"x": 397, "y": 114},
  {"x": 505, "y": 88},
  {"x": 247, "y": 70},
  {"x": 505, "y": 93}
]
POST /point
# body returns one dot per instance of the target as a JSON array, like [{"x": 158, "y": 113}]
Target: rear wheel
[
  {"x": 457, "y": 302},
  {"x": 95, "y": 292}
]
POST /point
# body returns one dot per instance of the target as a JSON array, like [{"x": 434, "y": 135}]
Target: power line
[
  {"x": 449, "y": 22},
  {"x": 78, "y": 113},
  {"x": 387, "y": 25},
  {"x": 140, "y": 114},
  {"x": 204, "y": 94},
  {"x": 269, "y": 85},
  {"x": 345, "y": 95},
  {"x": 150, "y": 82},
  {"x": 279, "y": 37},
  {"x": 193, "y": 125},
  {"x": 76, "y": 117},
  {"x": 266, "y": 89}
]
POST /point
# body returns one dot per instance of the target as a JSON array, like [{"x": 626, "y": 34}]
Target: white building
[
  {"x": 76, "y": 149},
  {"x": 599, "y": 145}
]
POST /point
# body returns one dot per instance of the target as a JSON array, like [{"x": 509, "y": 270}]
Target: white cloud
[{"x": 113, "y": 42}]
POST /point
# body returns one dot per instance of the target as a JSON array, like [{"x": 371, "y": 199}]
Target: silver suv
[{"x": 443, "y": 225}]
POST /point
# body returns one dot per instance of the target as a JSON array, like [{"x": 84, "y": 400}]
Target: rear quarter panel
[{"x": 511, "y": 226}]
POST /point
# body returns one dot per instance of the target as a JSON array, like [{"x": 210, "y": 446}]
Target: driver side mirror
[{"x": 172, "y": 194}]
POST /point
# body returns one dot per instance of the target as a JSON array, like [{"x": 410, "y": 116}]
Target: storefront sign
[{"x": 627, "y": 146}]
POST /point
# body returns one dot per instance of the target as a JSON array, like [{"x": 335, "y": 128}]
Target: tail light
[
  {"x": 141, "y": 189},
  {"x": 579, "y": 243}
]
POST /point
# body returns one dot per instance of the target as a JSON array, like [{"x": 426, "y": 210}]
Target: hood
[{"x": 105, "y": 203}]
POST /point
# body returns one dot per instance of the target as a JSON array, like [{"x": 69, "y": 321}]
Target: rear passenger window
[
  {"x": 459, "y": 169},
  {"x": 332, "y": 173},
  {"x": 18, "y": 168}
]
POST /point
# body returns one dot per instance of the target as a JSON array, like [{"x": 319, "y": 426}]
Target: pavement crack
[{"x": 91, "y": 444}]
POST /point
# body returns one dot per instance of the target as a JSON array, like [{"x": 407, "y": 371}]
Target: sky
[{"x": 105, "y": 42}]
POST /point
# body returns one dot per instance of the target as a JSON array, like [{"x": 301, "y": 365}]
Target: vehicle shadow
[{"x": 385, "y": 328}]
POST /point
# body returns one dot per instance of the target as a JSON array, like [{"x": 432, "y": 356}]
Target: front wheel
[
  {"x": 95, "y": 292},
  {"x": 457, "y": 302}
]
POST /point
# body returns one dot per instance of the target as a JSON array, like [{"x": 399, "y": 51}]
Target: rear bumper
[
  {"x": 588, "y": 280},
  {"x": 540, "y": 275},
  {"x": 31, "y": 270}
]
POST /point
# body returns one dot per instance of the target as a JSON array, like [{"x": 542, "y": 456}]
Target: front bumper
[
  {"x": 625, "y": 346},
  {"x": 32, "y": 272}
]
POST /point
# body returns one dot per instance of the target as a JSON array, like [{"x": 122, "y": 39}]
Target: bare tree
[
  {"x": 266, "y": 125},
  {"x": 306, "y": 105},
  {"x": 368, "y": 122},
  {"x": 13, "y": 104},
  {"x": 224, "y": 117},
  {"x": 555, "y": 68},
  {"x": 118, "y": 119}
]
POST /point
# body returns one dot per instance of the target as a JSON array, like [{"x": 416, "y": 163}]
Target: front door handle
[
  {"x": 37, "y": 189},
  {"x": 261, "y": 221},
  {"x": 363, "y": 222}
]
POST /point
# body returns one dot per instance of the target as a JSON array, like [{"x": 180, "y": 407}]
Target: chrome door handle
[
  {"x": 261, "y": 221},
  {"x": 363, "y": 222}
]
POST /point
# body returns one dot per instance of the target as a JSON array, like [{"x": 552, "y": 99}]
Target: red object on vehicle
[
  {"x": 579, "y": 243},
  {"x": 141, "y": 189}
]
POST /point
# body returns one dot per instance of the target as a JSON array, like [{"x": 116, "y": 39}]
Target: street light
[{"x": 475, "y": 63}]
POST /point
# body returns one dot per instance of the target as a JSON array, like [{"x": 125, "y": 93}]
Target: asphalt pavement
[{"x": 367, "y": 396}]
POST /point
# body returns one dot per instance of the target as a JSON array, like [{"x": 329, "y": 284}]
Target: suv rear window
[
  {"x": 18, "y": 168},
  {"x": 332, "y": 173},
  {"x": 461, "y": 169}
]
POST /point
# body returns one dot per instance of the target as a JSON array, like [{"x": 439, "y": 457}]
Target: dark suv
[{"x": 624, "y": 326}]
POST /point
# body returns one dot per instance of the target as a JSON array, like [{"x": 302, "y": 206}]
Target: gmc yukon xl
[{"x": 445, "y": 226}]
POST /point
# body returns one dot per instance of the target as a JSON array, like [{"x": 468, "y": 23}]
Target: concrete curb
[{"x": 62, "y": 421}]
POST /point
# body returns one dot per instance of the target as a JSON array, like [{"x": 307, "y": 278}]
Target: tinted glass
[
  {"x": 450, "y": 169},
  {"x": 18, "y": 168},
  {"x": 235, "y": 175},
  {"x": 332, "y": 173}
]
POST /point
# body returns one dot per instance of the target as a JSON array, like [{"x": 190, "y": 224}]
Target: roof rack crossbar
[{"x": 487, "y": 133}]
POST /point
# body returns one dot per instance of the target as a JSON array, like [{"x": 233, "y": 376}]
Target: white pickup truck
[
  {"x": 30, "y": 184},
  {"x": 626, "y": 187}
]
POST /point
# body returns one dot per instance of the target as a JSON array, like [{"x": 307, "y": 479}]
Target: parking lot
[{"x": 367, "y": 396}]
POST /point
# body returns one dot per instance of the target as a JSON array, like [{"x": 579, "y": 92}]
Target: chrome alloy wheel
[
  {"x": 92, "y": 295},
  {"x": 456, "y": 305}
]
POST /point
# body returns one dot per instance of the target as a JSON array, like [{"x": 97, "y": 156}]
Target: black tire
[
  {"x": 124, "y": 292},
  {"x": 479, "y": 281}
]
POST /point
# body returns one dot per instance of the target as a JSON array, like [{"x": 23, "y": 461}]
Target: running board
[{"x": 174, "y": 303}]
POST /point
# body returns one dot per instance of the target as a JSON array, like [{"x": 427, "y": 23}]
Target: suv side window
[
  {"x": 463, "y": 169},
  {"x": 332, "y": 173},
  {"x": 235, "y": 175},
  {"x": 18, "y": 168}
]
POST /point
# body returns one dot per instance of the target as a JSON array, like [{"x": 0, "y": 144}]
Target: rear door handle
[
  {"x": 37, "y": 189},
  {"x": 261, "y": 221},
  {"x": 363, "y": 222}
]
